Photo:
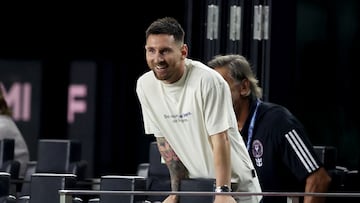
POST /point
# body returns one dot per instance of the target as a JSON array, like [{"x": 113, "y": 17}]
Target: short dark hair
[{"x": 166, "y": 25}]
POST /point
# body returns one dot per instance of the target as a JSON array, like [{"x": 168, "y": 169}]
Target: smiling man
[{"x": 187, "y": 106}]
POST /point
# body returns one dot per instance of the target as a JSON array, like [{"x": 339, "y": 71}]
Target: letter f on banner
[{"x": 74, "y": 105}]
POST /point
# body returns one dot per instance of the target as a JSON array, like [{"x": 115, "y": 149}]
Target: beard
[{"x": 161, "y": 71}]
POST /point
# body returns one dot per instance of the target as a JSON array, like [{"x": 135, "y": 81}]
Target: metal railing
[{"x": 66, "y": 196}]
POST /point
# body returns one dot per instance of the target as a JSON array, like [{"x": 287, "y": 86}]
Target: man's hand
[
  {"x": 224, "y": 199},
  {"x": 171, "y": 199}
]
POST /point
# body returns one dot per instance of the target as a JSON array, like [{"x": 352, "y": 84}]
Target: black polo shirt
[{"x": 280, "y": 150}]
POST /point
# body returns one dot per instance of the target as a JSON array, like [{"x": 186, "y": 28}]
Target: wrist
[{"x": 223, "y": 188}]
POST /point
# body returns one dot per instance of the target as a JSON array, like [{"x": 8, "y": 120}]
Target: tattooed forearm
[{"x": 176, "y": 168}]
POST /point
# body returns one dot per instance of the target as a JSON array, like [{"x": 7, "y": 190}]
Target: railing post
[
  {"x": 292, "y": 200},
  {"x": 64, "y": 198}
]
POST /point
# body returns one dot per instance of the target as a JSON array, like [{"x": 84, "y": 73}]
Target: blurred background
[{"x": 69, "y": 71}]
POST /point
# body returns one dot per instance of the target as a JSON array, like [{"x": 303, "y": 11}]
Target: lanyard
[{"x": 251, "y": 126}]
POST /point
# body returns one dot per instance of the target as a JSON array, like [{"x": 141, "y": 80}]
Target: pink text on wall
[{"x": 18, "y": 97}]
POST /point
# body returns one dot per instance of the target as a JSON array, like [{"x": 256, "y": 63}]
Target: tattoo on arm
[{"x": 176, "y": 168}]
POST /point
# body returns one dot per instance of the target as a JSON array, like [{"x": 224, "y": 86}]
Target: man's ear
[
  {"x": 184, "y": 51},
  {"x": 245, "y": 87}
]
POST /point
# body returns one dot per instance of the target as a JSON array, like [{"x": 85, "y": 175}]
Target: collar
[{"x": 252, "y": 107}]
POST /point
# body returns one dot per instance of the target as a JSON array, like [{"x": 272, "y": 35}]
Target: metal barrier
[{"x": 293, "y": 197}]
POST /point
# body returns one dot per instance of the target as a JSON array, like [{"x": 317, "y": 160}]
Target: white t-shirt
[
  {"x": 9, "y": 130},
  {"x": 190, "y": 110}
]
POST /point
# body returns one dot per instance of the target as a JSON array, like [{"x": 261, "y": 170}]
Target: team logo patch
[{"x": 257, "y": 152}]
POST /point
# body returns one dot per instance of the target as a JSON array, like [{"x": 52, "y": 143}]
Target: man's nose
[{"x": 158, "y": 57}]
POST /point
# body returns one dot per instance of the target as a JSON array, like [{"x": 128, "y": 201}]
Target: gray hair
[{"x": 239, "y": 69}]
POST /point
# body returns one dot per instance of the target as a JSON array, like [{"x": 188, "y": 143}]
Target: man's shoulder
[
  {"x": 146, "y": 74},
  {"x": 196, "y": 65},
  {"x": 145, "y": 83},
  {"x": 7, "y": 126},
  {"x": 5, "y": 119},
  {"x": 274, "y": 108},
  {"x": 274, "y": 112},
  {"x": 202, "y": 72},
  {"x": 146, "y": 77}
]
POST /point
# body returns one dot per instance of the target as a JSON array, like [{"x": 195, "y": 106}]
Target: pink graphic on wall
[
  {"x": 18, "y": 98},
  {"x": 75, "y": 104}
]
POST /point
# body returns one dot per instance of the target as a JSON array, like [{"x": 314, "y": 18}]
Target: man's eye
[
  {"x": 165, "y": 51},
  {"x": 151, "y": 51}
]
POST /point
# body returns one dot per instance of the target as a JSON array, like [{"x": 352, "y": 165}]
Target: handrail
[{"x": 66, "y": 195}]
